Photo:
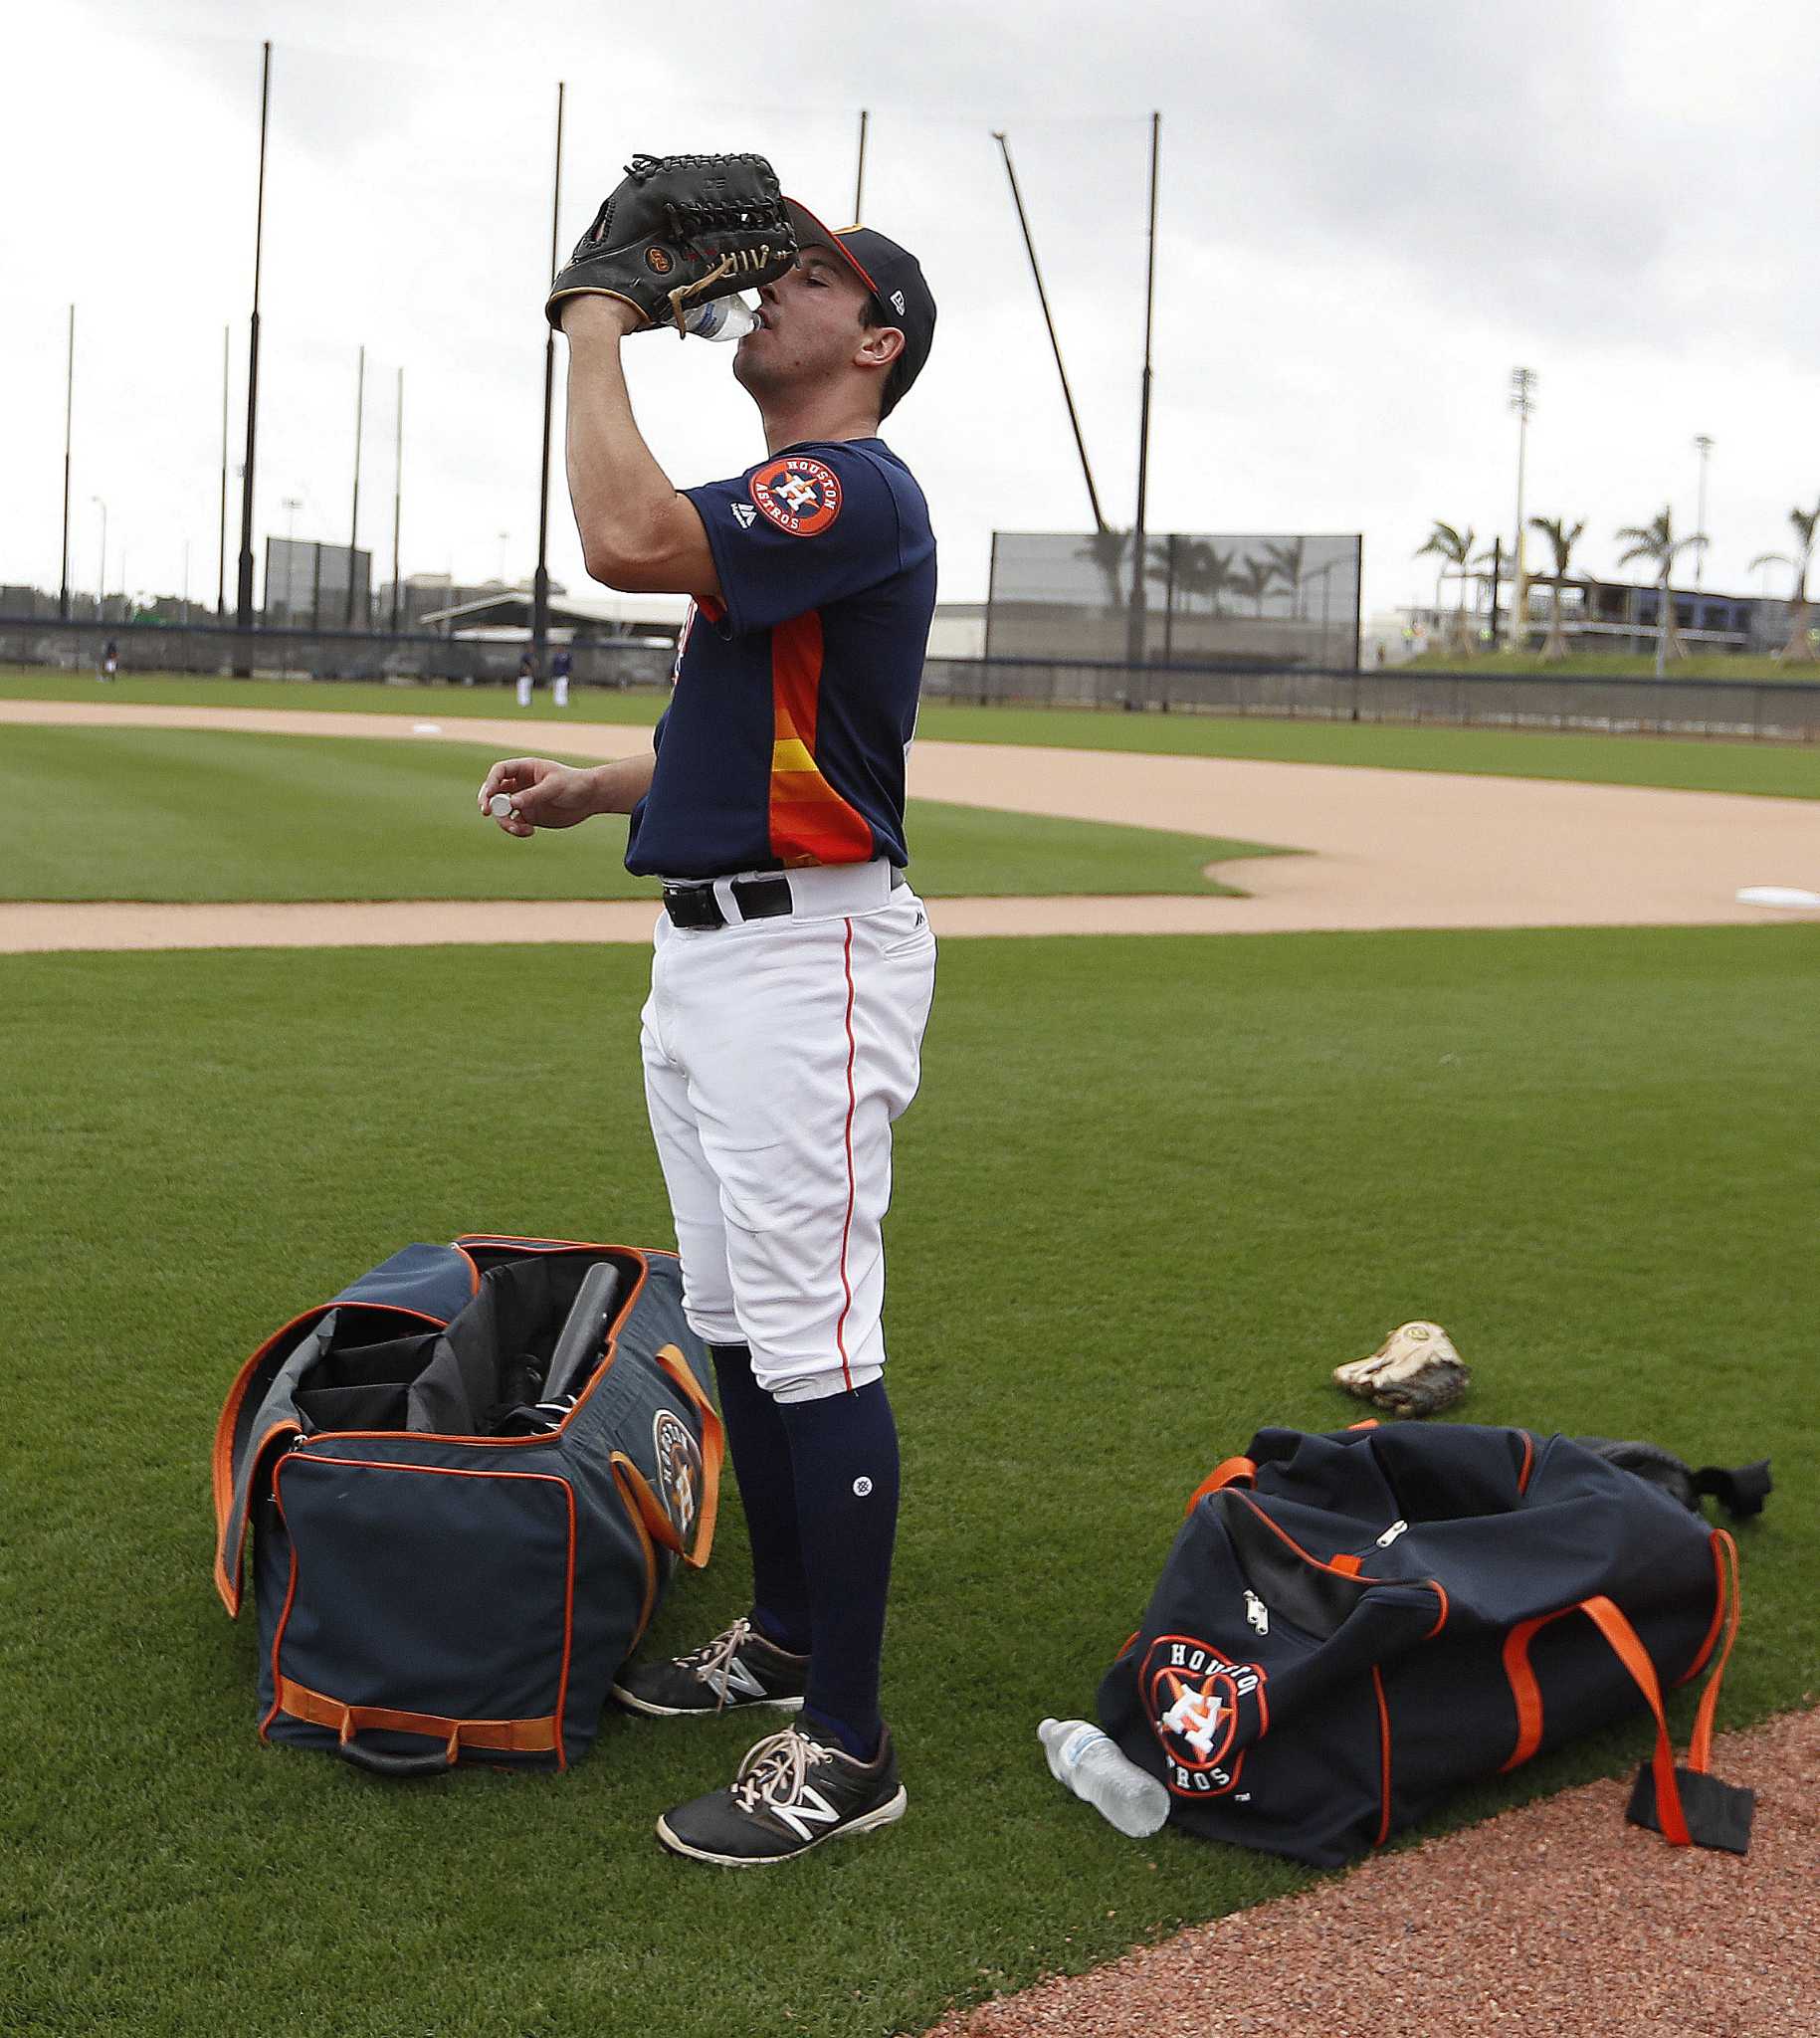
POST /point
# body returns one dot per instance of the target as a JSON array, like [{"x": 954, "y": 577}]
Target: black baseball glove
[{"x": 681, "y": 231}]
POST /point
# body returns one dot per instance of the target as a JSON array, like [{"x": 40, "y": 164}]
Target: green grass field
[
  {"x": 1789, "y": 769},
  {"x": 1151, "y": 1192},
  {"x": 167, "y": 814}
]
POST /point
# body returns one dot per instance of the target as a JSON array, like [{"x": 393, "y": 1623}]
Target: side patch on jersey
[{"x": 797, "y": 493}]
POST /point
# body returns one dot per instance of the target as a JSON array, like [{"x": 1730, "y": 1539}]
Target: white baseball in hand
[{"x": 499, "y": 806}]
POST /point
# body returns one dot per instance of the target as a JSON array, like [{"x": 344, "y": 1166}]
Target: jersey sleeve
[{"x": 798, "y": 531}]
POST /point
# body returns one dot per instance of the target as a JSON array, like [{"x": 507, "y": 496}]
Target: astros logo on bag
[
  {"x": 797, "y": 493},
  {"x": 679, "y": 1471},
  {"x": 1197, "y": 1702}
]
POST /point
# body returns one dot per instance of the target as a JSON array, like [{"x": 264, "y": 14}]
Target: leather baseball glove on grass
[{"x": 1415, "y": 1371}]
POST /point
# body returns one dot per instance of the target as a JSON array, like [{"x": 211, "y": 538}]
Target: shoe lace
[
  {"x": 712, "y": 1663},
  {"x": 776, "y": 1769}
]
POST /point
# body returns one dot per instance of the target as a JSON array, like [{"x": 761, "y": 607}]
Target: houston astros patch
[
  {"x": 1200, "y": 1704},
  {"x": 797, "y": 493}
]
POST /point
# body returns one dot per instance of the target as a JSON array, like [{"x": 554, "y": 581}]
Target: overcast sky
[{"x": 1368, "y": 215}]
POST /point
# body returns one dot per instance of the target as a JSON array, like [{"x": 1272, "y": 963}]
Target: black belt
[{"x": 694, "y": 906}]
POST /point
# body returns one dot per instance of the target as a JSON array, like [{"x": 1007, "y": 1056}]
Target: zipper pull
[{"x": 1391, "y": 1533}]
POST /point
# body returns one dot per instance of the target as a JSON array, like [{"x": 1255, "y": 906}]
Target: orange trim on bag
[
  {"x": 1718, "y": 1611},
  {"x": 622, "y": 1465},
  {"x": 1383, "y": 1739},
  {"x": 1528, "y": 1466},
  {"x": 714, "y": 1444},
  {"x": 1222, "y": 1475},
  {"x": 228, "y": 1585},
  {"x": 515, "y": 1736},
  {"x": 1606, "y": 1616},
  {"x": 1351, "y": 1566},
  {"x": 1369, "y": 1422},
  {"x": 1699, "y": 1748}
]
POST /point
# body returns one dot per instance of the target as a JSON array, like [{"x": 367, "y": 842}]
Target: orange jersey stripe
[{"x": 810, "y": 823}]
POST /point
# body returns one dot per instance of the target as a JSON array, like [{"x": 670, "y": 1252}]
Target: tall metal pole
[
  {"x": 1523, "y": 402},
  {"x": 858, "y": 180},
  {"x": 1017, "y": 199},
  {"x": 221, "y": 555},
  {"x": 243, "y": 660},
  {"x": 353, "y": 528},
  {"x": 1136, "y": 647},
  {"x": 63, "y": 598},
  {"x": 100, "y": 578},
  {"x": 540, "y": 583},
  {"x": 1703, "y": 446},
  {"x": 398, "y": 493}
]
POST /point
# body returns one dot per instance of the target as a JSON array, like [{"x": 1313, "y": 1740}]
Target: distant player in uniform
[
  {"x": 791, "y": 984},
  {"x": 560, "y": 667},
  {"x": 111, "y": 660},
  {"x": 528, "y": 679}
]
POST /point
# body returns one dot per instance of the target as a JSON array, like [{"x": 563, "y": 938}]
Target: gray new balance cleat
[
  {"x": 737, "y": 1667},
  {"x": 791, "y": 1794}
]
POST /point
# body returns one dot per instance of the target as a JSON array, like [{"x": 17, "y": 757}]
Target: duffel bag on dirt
[
  {"x": 1352, "y": 1625},
  {"x": 467, "y": 1479}
]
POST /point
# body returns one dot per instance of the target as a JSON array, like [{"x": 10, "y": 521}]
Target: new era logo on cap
[{"x": 896, "y": 298}]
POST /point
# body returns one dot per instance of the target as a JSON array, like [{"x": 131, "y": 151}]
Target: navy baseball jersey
[{"x": 784, "y": 744}]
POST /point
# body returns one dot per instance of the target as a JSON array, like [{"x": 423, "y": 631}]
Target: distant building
[{"x": 1618, "y": 616}]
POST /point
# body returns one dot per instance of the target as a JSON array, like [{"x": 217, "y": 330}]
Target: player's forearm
[
  {"x": 619, "y": 786},
  {"x": 622, "y": 497}
]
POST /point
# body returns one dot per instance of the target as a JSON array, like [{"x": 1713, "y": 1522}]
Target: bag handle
[
  {"x": 713, "y": 1446},
  {"x": 1227, "y": 1473},
  {"x": 1722, "y": 1813},
  {"x": 521, "y": 1737}
]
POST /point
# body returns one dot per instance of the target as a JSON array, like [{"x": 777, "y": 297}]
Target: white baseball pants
[{"x": 777, "y": 1053}]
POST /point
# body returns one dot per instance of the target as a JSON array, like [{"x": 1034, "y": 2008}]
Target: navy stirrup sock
[
  {"x": 845, "y": 1453},
  {"x": 761, "y": 1449}
]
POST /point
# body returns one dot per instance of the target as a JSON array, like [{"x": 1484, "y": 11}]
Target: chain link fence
[
  {"x": 1198, "y": 600},
  {"x": 1771, "y": 711},
  {"x": 317, "y": 654}
]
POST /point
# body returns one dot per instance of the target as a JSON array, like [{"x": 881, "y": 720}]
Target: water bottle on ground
[
  {"x": 1096, "y": 1770},
  {"x": 723, "y": 318}
]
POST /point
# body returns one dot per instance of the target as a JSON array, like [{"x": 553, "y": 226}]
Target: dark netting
[
  {"x": 1199, "y": 600},
  {"x": 307, "y": 586}
]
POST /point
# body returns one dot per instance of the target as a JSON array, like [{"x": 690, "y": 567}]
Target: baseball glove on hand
[
  {"x": 681, "y": 231},
  {"x": 1415, "y": 1371}
]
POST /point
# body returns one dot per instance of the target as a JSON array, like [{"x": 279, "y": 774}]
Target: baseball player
[{"x": 792, "y": 977}]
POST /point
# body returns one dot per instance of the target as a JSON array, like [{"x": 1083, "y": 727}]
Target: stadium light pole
[
  {"x": 353, "y": 528},
  {"x": 859, "y": 175},
  {"x": 243, "y": 663},
  {"x": 1523, "y": 402},
  {"x": 221, "y": 555},
  {"x": 398, "y": 490},
  {"x": 540, "y": 584},
  {"x": 100, "y": 577},
  {"x": 1137, "y": 648},
  {"x": 63, "y": 598},
  {"x": 1703, "y": 446}
]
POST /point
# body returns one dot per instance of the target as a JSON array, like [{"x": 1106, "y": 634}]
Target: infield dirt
[{"x": 1383, "y": 849}]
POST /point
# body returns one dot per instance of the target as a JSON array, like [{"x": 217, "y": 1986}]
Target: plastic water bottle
[
  {"x": 1096, "y": 1770},
  {"x": 723, "y": 318}
]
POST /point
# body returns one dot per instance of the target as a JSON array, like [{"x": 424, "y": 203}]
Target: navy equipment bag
[
  {"x": 1350, "y": 1625},
  {"x": 446, "y": 1570}
]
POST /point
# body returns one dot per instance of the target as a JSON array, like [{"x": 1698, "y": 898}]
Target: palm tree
[
  {"x": 1656, "y": 541},
  {"x": 1286, "y": 559},
  {"x": 1204, "y": 570},
  {"x": 1454, "y": 548},
  {"x": 1254, "y": 581},
  {"x": 1107, "y": 548},
  {"x": 1800, "y": 644},
  {"x": 1564, "y": 541}
]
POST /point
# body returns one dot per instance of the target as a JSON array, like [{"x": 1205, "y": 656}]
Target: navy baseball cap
[{"x": 895, "y": 278}]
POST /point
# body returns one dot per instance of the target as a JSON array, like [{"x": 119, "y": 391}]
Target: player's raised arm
[{"x": 676, "y": 235}]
